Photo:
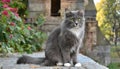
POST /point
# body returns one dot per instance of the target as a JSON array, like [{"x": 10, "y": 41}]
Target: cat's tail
[{"x": 30, "y": 60}]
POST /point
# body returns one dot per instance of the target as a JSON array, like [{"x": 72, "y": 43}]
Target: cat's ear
[
  {"x": 67, "y": 10},
  {"x": 68, "y": 13},
  {"x": 81, "y": 12}
]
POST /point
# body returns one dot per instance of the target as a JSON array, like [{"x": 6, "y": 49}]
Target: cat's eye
[
  {"x": 79, "y": 19},
  {"x": 72, "y": 19}
]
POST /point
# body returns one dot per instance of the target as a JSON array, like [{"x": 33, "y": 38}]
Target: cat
[{"x": 63, "y": 43}]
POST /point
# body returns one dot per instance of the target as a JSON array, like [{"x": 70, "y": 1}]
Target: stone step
[
  {"x": 48, "y": 28},
  {"x": 51, "y": 23},
  {"x": 53, "y": 20},
  {"x": 10, "y": 63},
  {"x": 27, "y": 66}
]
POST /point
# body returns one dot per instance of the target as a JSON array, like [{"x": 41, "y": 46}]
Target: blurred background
[{"x": 26, "y": 24}]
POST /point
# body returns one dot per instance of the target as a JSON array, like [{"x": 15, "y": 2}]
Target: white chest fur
[{"x": 77, "y": 31}]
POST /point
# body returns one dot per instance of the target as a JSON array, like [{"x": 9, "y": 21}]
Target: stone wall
[
  {"x": 91, "y": 33},
  {"x": 72, "y": 5},
  {"x": 9, "y": 62},
  {"x": 35, "y": 7},
  {"x": 95, "y": 44}
]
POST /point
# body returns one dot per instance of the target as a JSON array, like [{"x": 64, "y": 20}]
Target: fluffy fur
[{"x": 63, "y": 43}]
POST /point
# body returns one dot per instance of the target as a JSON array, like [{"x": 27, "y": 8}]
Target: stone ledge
[
  {"x": 37, "y": 67},
  {"x": 10, "y": 63}
]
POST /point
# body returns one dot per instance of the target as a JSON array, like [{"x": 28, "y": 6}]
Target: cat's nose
[{"x": 76, "y": 23}]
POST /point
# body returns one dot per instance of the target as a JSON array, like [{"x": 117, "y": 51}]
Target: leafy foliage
[
  {"x": 108, "y": 17},
  {"x": 21, "y": 5},
  {"x": 15, "y": 36},
  {"x": 114, "y": 66}
]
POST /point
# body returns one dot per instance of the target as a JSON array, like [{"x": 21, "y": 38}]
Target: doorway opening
[{"x": 55, "y": 7}]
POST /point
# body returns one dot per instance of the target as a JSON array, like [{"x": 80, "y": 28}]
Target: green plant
[
  {"x": 21, "y": 5},
  {"x": 16, "y": 36},
  {"x": 114, "y": 66}
]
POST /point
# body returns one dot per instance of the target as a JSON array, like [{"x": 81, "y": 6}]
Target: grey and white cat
[{"x": 63, "y": 43}]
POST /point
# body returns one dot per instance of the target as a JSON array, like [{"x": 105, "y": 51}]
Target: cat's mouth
[{"x": 77, "y": 27}]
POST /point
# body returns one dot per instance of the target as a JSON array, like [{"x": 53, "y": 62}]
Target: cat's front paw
[
  {"x": 78, "y": 65},
  {"x": 59, "y": 64},
  {"x": 67, "y": 64}
]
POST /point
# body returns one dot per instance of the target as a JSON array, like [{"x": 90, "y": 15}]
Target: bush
[
  {"x": 15, "y": 36},
  {"x": 114, "y": 66}
]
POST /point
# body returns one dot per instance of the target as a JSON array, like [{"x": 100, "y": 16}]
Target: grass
[
  {"x": 114, "y": 51},
  {"x": 114, "y": 66},
  {"x": 114, "y": 54}
]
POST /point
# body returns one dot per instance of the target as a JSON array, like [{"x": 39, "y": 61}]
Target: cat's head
[{"x": 74, "y": 19}]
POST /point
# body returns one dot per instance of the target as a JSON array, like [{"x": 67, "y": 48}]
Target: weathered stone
[
  {"x": 16, "y": 67},
  {"x": 29, "y": 66},
  {"x": 0, "y": 66},
  {"x": 10, "y": 63},
  {"x": 48, "y": 27},
  {"x": 93, "y": 66},
  {"x": 36, "y": 1},
  {"x": 40, "y": 7},
  {"x": 38, "y": 67}
]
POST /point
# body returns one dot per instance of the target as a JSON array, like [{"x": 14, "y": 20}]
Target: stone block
[
  {"x": 36, "y": 1},
  {"x": 0, "y": 66},
  {"x": 10, "y": 63},
  {"x": 48, "y": 27},
  {"x": 100, "y": 54},
  {"x": 38, "y": 67},
  {"x": 36, "y": 7}
]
